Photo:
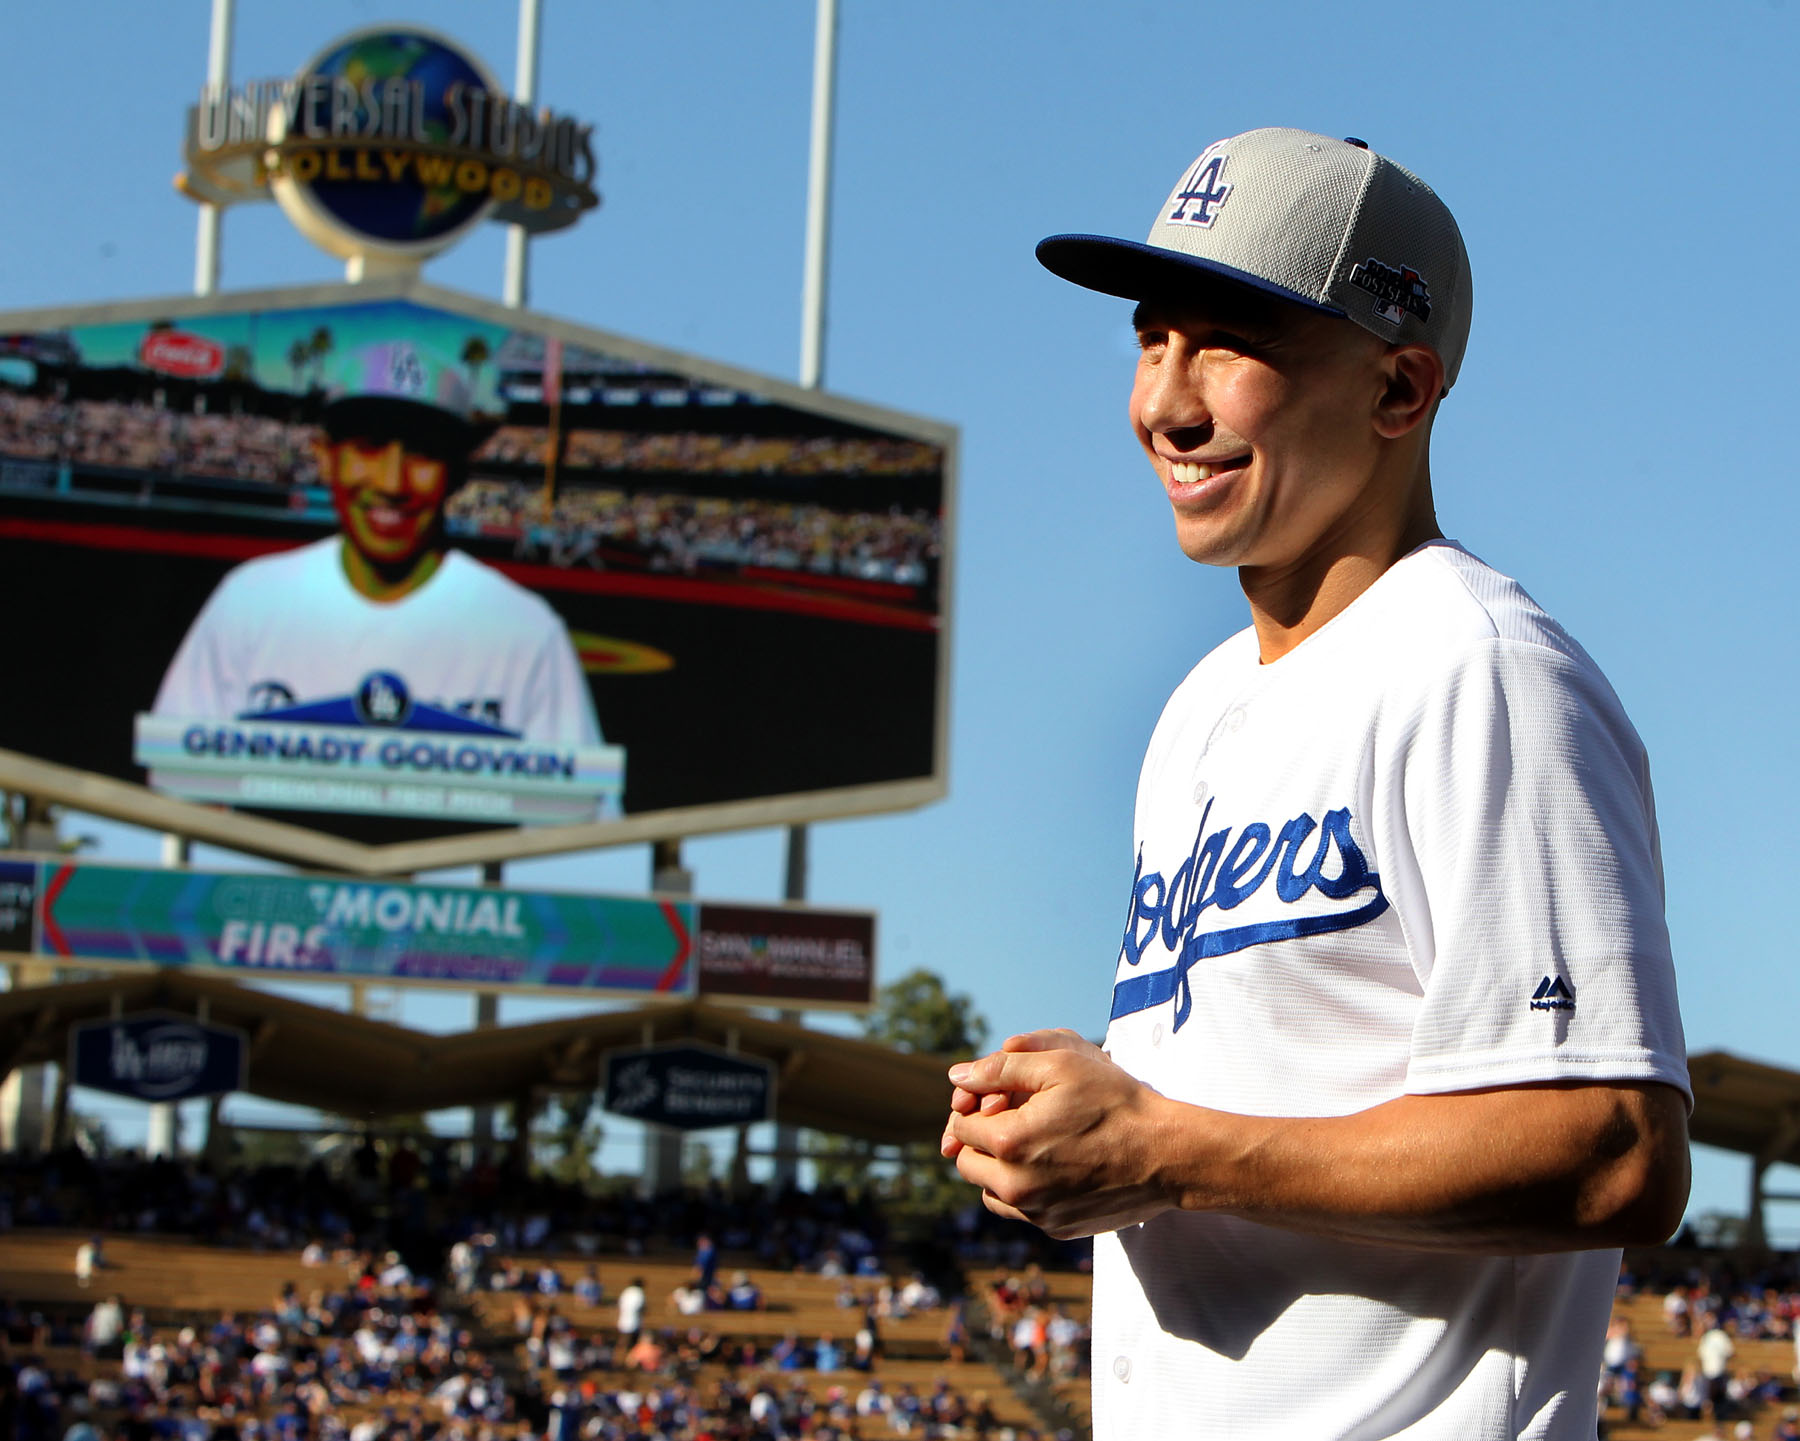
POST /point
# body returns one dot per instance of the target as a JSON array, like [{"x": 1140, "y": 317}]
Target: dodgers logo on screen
[
  {"x": 1223, "y": 871},
  {"x": 382, "y": 700}
]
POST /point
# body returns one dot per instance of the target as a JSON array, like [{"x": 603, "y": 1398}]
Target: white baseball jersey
[
  {"x": 1417, "y": 854},
  {"x": 289, "y": 629}
]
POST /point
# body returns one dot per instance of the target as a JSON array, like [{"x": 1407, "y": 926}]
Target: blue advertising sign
[
  {"x": 157, "y": 1056},
  {"x": 689, "y": 1086},
  {"x": 18, "y": 894}
]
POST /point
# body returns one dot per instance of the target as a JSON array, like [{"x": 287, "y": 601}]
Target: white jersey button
[
  {"x": 1156, "y": 1034},
  {"x": 1122, "y": 1367}
]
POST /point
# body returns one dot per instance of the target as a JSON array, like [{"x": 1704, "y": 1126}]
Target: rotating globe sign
[{"x": 391, "y": 143}]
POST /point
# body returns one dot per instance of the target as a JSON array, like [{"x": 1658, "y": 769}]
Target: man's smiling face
[
  {"x": 1256, "y": 415},
  {"x": 389, "y": 499}
]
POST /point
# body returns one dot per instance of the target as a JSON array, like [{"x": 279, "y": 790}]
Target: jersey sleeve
[
  {"x": 202, "y": 681},
  {"x": 559, "y": 706},
  {"x": 1528, "y": 878}
]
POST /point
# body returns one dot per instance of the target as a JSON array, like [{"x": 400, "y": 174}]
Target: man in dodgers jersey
[
  {"x": 385, "y": 614},
  {"x": 1394, "y": 1060}
]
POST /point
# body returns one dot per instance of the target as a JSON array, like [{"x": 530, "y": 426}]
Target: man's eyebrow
[{"x": 1138, "y": 314}]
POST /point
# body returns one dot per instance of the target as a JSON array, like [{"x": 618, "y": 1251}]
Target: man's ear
[
  {"x": 323, "y": 458},
  {"x": 1415, "y": 380}
]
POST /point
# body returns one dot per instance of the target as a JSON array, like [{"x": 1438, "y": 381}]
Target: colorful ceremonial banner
[
  {"x": 304, "y": 926},
  {"x": 332, "y": 928}
]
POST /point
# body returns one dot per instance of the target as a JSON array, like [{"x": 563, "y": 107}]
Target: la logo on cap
[{"x": 1202, "y": 192}]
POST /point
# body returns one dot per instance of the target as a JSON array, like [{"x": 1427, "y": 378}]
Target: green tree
[
  {"x": 568, "y": 1144},
  {"x": 916, "y": 1013},
  {"x": 317, "y": 348},
  {"x": 698, "y": 1165}
]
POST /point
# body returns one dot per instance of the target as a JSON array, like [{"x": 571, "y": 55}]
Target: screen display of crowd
[{"x": 394, "y": 569}]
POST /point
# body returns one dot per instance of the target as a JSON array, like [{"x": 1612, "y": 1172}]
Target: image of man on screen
[{"x": 384, "y": 623}]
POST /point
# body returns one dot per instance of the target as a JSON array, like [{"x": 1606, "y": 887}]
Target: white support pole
[
  {"x": 518, "y": 277},
  {"x": 812, "y": 376},
  {"x": 487, "y": 1015},
  {"x": 162, "y": 1136},
  {"x": 818, "y": 199},
  {"x": 662, "y": 1144},
  {"x": 218, "y": 80}
]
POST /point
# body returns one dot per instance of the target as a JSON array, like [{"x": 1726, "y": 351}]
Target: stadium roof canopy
[
  {"x": 1746, "y": 1106},
  {"x": 352, "y": 1066}
]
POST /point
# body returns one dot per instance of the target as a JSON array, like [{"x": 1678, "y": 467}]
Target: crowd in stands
[
  {"x": 1046, "y": 1340},
  {"x": 589, "y": 525},
  {"x": 246, "y": 446},
  {"x": 339, "y": 1362},
  {"x": 379, "y": 1351},
  {"x": 1739, "y": 1347},
  {"x": 684, "y": 534},
  {"x": 629, "y": 452},
  {"x": 122, "y": 436},
  {"x": 416, "y": 1198}
]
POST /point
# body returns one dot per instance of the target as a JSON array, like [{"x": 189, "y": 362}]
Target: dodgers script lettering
[{"x": 1223, "y": 871}]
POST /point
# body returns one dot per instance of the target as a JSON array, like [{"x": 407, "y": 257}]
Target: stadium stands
[{"x": 212, "y": 1342}]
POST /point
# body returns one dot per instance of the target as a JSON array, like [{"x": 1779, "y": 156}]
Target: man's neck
[
  {"x": 1290, "y": 603},
  {"x": 384, "y": 584}
]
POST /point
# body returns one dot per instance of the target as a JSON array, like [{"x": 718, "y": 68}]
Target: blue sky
[{"x": 1622, "y": 177}]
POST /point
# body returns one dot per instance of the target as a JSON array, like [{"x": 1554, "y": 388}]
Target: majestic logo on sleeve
[
  {"x": 1221, "y": 873},
  {"x": 1397, "y": 291},
  {"x": 1553, "y": 994},
  {"x": 1202, "y": 192}
]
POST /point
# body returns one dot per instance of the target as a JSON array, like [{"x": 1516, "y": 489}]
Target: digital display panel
[{"x": 399, "y": 563}]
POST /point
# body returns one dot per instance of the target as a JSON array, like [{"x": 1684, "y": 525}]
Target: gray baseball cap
[
  {"x": 405, "y": 388},
  {"x": 1325, "y": 223}
]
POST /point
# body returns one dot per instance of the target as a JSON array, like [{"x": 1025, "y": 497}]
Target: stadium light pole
[
  {"x": 813, "y": 284},
  {"x": 818, "y": 199},
  {"x": 218, "y": 79},
  {"x": 514, "y": 286},
  {"x": 163, "y": 1134},
  {"x": 518, "y": 277}
]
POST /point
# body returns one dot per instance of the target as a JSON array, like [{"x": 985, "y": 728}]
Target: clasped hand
[{"x": 1056, "y": 1134}]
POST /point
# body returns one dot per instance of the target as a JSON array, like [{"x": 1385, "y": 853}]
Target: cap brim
[
  {"x": 1133, "y": 270},
  {"x": 427, "y": 427}
]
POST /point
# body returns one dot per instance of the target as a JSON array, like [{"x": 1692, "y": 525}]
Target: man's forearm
[
  {"x": 1056, "y": 1134},
  {"x": 1521, "y": 1169}
]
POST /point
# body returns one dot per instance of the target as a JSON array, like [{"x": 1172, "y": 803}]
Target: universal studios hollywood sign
[{"x": 392, "y": 141}]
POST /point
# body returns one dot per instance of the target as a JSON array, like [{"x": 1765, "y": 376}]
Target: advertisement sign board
[
  {"x": 392, "y": 563},
  {"x": 392, "y": 141},
  {"x": 689, "y": 1087},
  {"x": 18, "y": 895},
  {"x": 333, "y": 928},
  {"x": 819, "y": 957},
  {"x": 156, "y": 1056}
]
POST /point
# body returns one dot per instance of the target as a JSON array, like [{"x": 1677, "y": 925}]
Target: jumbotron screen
[{"x": 410, "y": 564}]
